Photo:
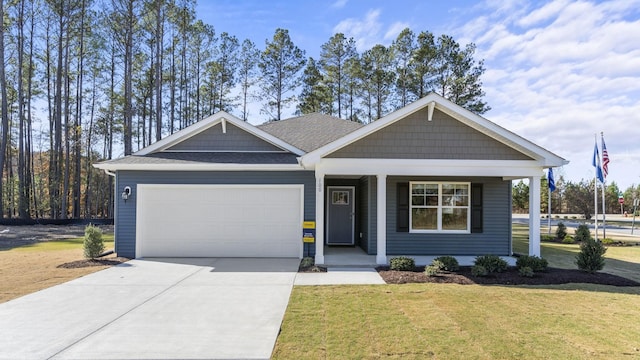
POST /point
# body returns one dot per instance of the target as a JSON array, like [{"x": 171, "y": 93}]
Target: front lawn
[
  {"x": 449, "y": 321},
  {"x": 33, "y": 267}
]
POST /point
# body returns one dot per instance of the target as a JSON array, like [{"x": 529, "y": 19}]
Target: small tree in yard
[
  {"x": 561, "y": 231},
  {"x": 591, "y": 256},
  {"x": 93, "y": 243}
]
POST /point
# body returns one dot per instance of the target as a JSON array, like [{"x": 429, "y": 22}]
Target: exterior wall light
[{"x": 126, "y": 193}]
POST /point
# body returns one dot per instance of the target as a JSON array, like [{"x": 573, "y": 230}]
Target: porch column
[
  {"x": 319, "y": 219},
  {"x": 381, "y": 221},
  {"x": 534, "y": 215}
]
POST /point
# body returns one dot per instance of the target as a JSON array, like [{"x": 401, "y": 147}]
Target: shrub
[
  {"x": 561, "y": 231},
  {"x": 582, "y": 233},
  {"x": 307, "y": 262},
  {"x": 548, "y": 238},
  {"x": 491, "y": 263},
  {"x": 431, "y": 270},
  {"x": 591, "y": 256},
  {"x": 449, "y": 263},
  {"x": 479, "y": 270},
  {"x": 608, "y": 241},
  {"x": 93, "y": 244},
  {"x": 537, "y": 264},
  {"x": 402, "y": 263},
  {"x": 526, "y": 271},
  {"x": 568, "y": 240}
]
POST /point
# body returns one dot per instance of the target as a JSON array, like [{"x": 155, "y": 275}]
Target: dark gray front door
[{"x": 340, "y": 215}]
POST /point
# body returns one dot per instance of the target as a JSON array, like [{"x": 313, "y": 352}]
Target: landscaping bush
[
  {"x": 561, "y": 231},
  {"x": 535, "y": 263},
  {"x": 608, "y": 241},
  {"x": 449, "y": 263},
  {"x": 591, "y": 256},
  {"x": 568, "y": 240},
  {"x": 491, "y": 263},
  {"x": 479, "y": 270},
  {"x": 526, "y": 271},
  {"x": 431, "y": 270},
  {"x": 402, "y": 263},
  {"x": 307, "y": 262},
  {"x": 547, "y": 238},
  {"x": 582, "y": 233},
  {"x": 93, "y": 244}
]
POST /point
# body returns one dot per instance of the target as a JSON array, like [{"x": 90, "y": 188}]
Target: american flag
[{"x": 605, "y": 159}]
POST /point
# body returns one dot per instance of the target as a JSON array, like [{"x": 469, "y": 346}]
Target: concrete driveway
[{"x": 154, "y": 309}]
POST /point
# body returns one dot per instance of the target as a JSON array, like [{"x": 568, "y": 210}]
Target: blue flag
[
  {"x": 550, "y": 180},
  {"x": 596, "y": 163}
]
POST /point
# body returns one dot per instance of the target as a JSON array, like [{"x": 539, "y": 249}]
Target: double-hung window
[{"x": 440, "y": 207}]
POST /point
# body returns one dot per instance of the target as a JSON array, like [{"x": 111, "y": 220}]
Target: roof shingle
[{"x": 311, "y": 131}]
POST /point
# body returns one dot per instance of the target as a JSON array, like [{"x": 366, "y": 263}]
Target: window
[{"x": 439, "y": 207}]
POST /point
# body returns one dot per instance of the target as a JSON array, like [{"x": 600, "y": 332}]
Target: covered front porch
[{"x": 373, "y": 232}]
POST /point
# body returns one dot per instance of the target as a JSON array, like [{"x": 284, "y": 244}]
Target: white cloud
[
  {"x": 364, "y": 31},
  {"x": 339, "y": 4},
  {"x": 560, "y": 72},
  {"x": 370, "y": 30}
]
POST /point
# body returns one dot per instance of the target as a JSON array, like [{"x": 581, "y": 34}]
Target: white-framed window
[{"x": 439, "y": 207}]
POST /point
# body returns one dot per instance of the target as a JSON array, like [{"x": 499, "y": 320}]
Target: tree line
[
  {"x": 87, "y": 80},
  {"x": 574, "y": 197}
]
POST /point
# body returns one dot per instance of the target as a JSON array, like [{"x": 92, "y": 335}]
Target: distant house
[{"x": 429, "y": 179}]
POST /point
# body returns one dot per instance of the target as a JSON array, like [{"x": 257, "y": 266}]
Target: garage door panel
[{"x": 216, "y": 221}]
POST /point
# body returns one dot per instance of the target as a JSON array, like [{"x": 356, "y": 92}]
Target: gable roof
[
  {"x": 220, "y": 117},
  {"x": 311, "y": 131},
  {"x": 431, "y": 101}
]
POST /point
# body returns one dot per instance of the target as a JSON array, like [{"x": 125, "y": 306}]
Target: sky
[{"x": 558, "y": 73}]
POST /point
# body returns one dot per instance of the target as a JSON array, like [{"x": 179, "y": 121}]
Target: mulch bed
[
  {"x": 312, "y": 268},
  {"x": 553, "y": 276},
  {"x": 93, "y": 262}
]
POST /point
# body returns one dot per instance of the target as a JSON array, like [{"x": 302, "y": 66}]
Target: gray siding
[
  {"x": 494, "y": 239},
  {"x": 416, "y": 138},
  {"x": 125, "y": 229},
  {"x": 235, "y": 139}
]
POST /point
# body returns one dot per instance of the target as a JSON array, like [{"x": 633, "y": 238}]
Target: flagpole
[
  {"x": 595, "y": 185},
  {"x": 604, "y": 180},
  {"x": 549, "y": 217}
]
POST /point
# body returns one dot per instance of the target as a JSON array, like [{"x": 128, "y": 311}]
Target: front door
[{"x": 340, "y": 215}]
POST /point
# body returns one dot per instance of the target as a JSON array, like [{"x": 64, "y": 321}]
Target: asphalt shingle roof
[{"x": 311, "y": 131}]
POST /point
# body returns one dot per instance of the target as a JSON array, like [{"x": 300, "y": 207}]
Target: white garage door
[{"x": 219, "y": 221}]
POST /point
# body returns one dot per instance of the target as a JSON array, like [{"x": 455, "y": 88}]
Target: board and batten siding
[
  {"x": 125, "y": 229},
  {"x": 494, "y": 239},
  {"x": 234, "y": 139}
]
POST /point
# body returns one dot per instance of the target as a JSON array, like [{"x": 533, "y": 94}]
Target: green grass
[
  {"x": 63, "y": 244},
  {"x": 448, "y": 321},
  {"x": 620, "y": 260}
]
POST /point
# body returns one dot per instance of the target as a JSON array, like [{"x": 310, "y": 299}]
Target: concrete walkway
[
  {"x": 154, "y": 309},
  {"x": 341, "y": 276}
]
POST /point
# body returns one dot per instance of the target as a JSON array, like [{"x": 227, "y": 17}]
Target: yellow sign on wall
[{"x": 308, "y": 231}]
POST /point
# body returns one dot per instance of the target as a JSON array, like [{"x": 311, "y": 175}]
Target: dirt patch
[
  {"x": 553, "y": 276},
  {"x": 15, "y": 236}
]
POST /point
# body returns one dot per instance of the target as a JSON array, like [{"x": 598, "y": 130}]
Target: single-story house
[{"x": 429, "y": 179}]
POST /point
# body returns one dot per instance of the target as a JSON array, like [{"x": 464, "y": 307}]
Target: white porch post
[
  {"x": 381, "y": 257},
  {"x": 534, "y": 215},
  {"x": 319, "y": 218}
]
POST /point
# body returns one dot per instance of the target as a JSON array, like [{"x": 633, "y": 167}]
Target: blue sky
[{"x": 558, "y": 72}]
